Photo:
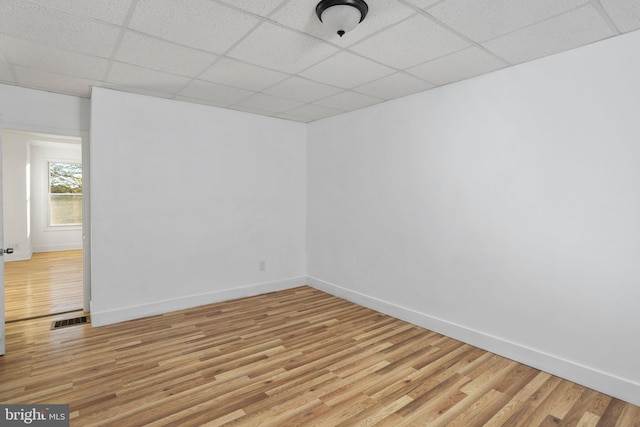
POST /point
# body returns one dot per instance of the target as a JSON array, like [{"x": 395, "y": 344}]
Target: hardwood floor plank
[
  {"x": 629, "y": 416},
  {"x": 516, "y": 380},
  {"x": 517, "y": 403},
  {"x": 48, "y": 283},
  {"x": 480, "y": 411},
  {"x": 347, "y": 408},
  {"x": 588, "y": 420},
  {"x": 475, "y": 390},
  {"x": 552, "y": 401},
  {"x": 375, "y": 413},
  {"x": 576, "y": 413},
  {"x": 291, "y": 358},
  {"x": 222, "y": 420},
  {"x": 433, "y": 394},
  {"x": 566, "y": 401}
]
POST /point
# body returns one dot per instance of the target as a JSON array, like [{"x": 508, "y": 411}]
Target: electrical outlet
[{"x": 262, "y": 266}]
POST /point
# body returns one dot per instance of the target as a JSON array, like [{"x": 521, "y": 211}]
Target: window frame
[{"x": 61, "y": 227}]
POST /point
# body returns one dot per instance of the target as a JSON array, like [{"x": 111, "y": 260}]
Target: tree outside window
[{"x": 65, "y": 194}]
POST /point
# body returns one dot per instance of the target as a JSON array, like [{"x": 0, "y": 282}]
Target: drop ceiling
[{"x": 274, "y": 57}]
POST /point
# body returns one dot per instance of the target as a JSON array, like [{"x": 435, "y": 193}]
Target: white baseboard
[
  {"x": 101, "y": 318},
  {"x": 596, "y": 379},
  {"x": 57, "y": 248}
]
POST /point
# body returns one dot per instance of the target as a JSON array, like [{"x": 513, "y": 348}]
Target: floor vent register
[{"x": 74, "y": 321}]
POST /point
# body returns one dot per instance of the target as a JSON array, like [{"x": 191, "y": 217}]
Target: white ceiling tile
[
  {"x": 201, "y": 24},
  {"x": 347, "y": 101},
  {"x": 113, "y": 11},
  {"x": 564, "y": 32},
  {"x": 5, "y": 73},
  {"x": 313, "y": 112},
  {"x": 50, "y": 27},
  {"x": 423, "y": 3},
  {"x": 394, "y": 86},
  {"x": 223, "y": 95},
  {"x": 301, "y": 15},
  {"x": 137, "y": 89},
  {"x": 481, "y": 20},
  {"x": 411, "y": 42},
  {"x": 46, "y": 80},
  {"x": 145, "y": 79},
  {"x": 624, "y": 13},
  {"x": 292, "y": 118},
  {"x": 235, "y": 73},
  {"x": 201, "y": 101},
  {"x": 460, "y": 65},
  {"x": 156, "y": 54},
  {"x": 346, "y": 70},
  {"x": 301, "y": 89},
  {"x": 270, "y": 103},
  {"x": 251, "y": 110},
  {"x": 262, "y": 7},
  {"x": 31, "y": 55},
  {"x": 281, "y": 49}
]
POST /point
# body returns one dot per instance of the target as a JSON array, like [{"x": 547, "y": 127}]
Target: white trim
[
  {"x": 55, "y": 228},
  {"x": 101, "y": 318},
  {"x": 56, "y": 248},
  {"x": 596, "y": 379},
  {"x": 62, "y": 227}
]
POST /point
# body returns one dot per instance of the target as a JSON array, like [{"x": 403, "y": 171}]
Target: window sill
[{"x": 63, "y": 228}]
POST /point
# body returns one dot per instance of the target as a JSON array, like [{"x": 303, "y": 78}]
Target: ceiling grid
[{"x": 275, "y": 57}]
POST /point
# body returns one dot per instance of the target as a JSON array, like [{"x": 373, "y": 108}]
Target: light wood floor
[
  {"x": 50, "y": 282},
  {"x": 291, "y": 358}
]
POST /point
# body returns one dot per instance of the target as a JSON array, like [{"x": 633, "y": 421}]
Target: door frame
[
  {"x": 2, "y": 331},
  {"x": 86, "y": 219}
]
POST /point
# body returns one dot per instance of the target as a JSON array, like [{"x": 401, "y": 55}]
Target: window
[{"x": 65, "y": 194}]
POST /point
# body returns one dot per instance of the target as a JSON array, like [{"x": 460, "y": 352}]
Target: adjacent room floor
[
  {"x": 48, "y": 283},
  {"x": 290, "y": 358}
]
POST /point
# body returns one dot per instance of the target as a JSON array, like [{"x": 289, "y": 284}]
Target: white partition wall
[
  {"x": 187, "y": 201},
  {"x": 38, "y": 111},
  {"x": 503, "y": 210}
]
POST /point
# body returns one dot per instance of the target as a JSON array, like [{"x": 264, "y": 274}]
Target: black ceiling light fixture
[{"x": 341, "y": 15}]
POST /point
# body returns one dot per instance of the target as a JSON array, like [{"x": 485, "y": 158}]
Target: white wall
[
  {"x": 187, "y": 200},
  {"x": 38, "y": 111},
  {"x": 44, "y": 150},
  {"x": 503, "y": 210}
]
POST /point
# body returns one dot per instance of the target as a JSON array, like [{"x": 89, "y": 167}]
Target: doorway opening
[{"x": 42, "y": 212}]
